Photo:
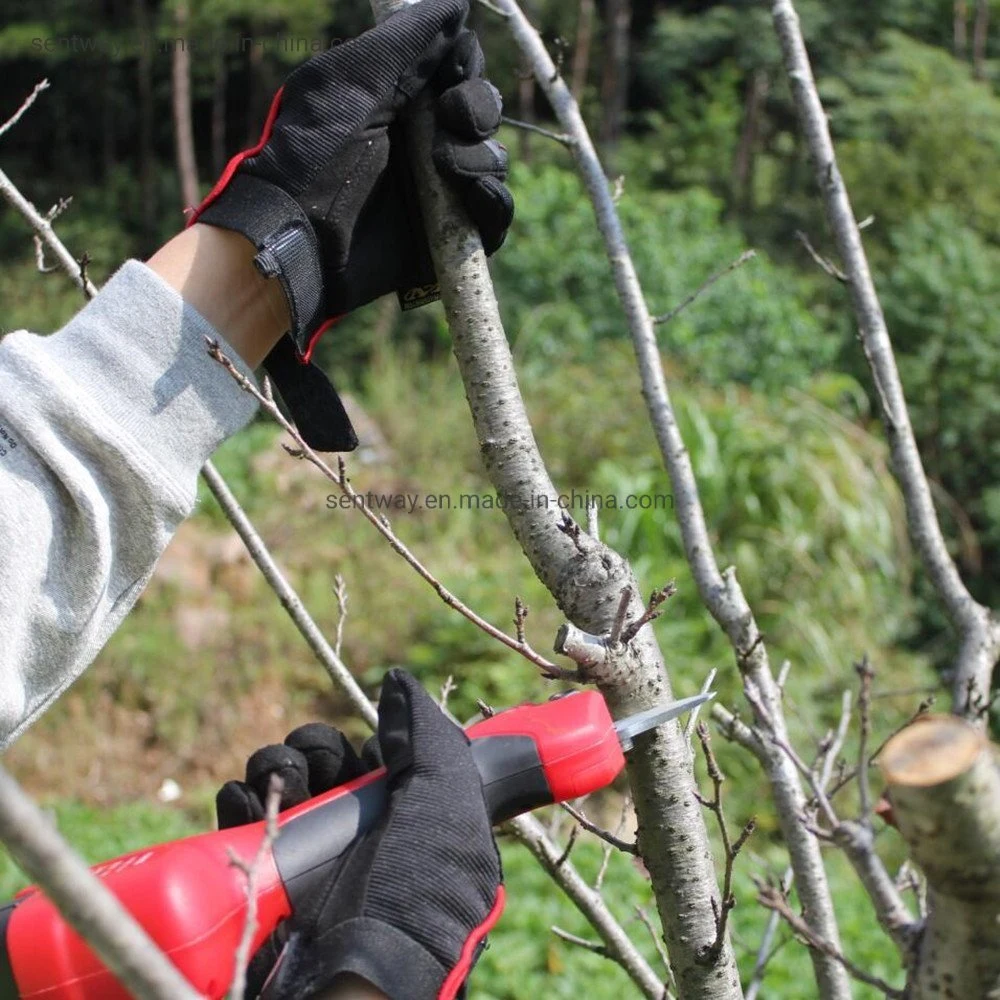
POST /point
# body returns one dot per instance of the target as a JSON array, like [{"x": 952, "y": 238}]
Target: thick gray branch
[
  {"x": 586, "y": 579},
  {"x": 721, "y": 593},
  {"x": 945, "y": 789},
  {"x": 977, "y": 627},
  {"x": 84, "y": 902}
]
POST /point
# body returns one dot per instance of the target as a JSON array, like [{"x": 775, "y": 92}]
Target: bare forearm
[{"x": 213, "y": 270}]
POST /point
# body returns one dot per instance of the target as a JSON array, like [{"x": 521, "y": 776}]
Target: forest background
[{"x": 693, "y": 112}]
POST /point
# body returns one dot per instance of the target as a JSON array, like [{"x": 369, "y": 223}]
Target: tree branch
[
  {"x": 944, "y": 784},
  {"x": 585, "y": 577},
  {"x": 84, "y": 901},
  {"x": 773, "y": 899},
  {"x": 720, "y": 592},
  {"x": 290, "y": 600},
  {"x": 698, "y": 292},
  {"x": 730, "y": 848},
  {"x": 382, "y": 525},
  {"x": 252, "y": 871},
  {"x": 977, "y": 626},
  {"x": 616, "y": 942},
  {"x": 25, "y": 105}
]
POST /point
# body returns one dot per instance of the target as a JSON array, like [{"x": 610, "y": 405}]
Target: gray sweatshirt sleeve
[{"x": 103, "y": 427}]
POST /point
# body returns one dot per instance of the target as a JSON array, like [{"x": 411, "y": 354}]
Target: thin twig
[
  {"x": 609, "y": 848},
  {"x": 593, "y": 527},
  {"x": 496, "y": 10},
  {"x": 866, "y": 674},
  {"x": 826, "y": 265},
  {"x": 338, "y": 670},
  {"x": 383, "y": 526},
  {"x": 772, "y": 898},
  {"x": 652, "y": 610},
  {"x": 559, "y": 137},
  {"x": 253, "y": 870},
  {"x": 836, "y": 743},
  {"x": 340, "y": 591},
  {"x": 520, "y": 617},
  {"x": 570, "y": 844},
  {"x": 595, "y": 946},
  {"x": 848, "y": 776},
  {"x": 705, "y": 286},
  {"x": 446, "y": 691},
  {"x": 28, "y": 101},
  {"x": 655, "y": 936},
  {"x": 616, "y": 942},
  {"x": 765, "y": 952},
  {"x": 625, "y": 846},
  {"x": 730, "y": 849},
  {"x": 618, "y": 625},
  {"x": 693, "y": 717}
]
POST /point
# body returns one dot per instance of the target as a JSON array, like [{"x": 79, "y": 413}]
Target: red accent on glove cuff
[
  {"x": 306, "y": 356},
  {"x": 458, "y": 975},
  {"x": 233, "y": 165}
]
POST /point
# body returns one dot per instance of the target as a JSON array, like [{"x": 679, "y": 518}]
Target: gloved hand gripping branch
[{"x": 327, "y": 196}]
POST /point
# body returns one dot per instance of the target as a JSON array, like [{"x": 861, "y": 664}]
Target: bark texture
[
  {"x": 720, "y": 592},
  {"x": 977, "y": 626},
  {"x": 944, "y": 784},
  {"x": 586, "y": 579}
]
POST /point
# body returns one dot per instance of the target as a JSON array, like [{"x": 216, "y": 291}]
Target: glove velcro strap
[
  {"x": 285, "y": 240},
  {"x": 377, "y": 952}
]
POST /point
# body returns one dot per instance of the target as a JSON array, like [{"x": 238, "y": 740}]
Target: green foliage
[
  {"x": 914, "y": 129},
  {"x": 942, "y": 303},
  {"x": 558, "y": 297}
]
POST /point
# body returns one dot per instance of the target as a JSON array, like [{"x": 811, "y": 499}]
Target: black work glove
[
  {"x": 327, "y": 197},
  {"x": 409, "y": 905},
  {"x": 313, "y": 759}
]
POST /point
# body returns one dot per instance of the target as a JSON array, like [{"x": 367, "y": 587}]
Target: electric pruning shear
[{"x": 193, "y": 902}]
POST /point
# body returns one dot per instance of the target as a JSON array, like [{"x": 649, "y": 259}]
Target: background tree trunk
[
  {"x": 187, "y": 167},
  {"x": 219, "y": 115},
  {"x": 743, "y": 166},
  {"x": 614, "y": 87},
  {"x": 980, "y": 29},
  {"x": 147, "y": 113},
  {"x": 581, "y": 51},
  {"x": 960, "y": 28},
  {"x": 108, "y": 119}
]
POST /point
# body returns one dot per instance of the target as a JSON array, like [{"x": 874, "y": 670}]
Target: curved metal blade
[{"x": 632, "y": 725}]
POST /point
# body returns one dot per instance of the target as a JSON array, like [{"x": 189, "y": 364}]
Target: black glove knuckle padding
[{"x": 313, "y": 759}]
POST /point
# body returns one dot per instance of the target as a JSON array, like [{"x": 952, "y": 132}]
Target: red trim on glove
[
  {"x": 233, "y": 164},
  {"x": 306, "y": 357},
  {"x": 458, "y": 975}
]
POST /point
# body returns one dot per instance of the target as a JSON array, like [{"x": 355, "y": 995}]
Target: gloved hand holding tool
[
  {"x": 393, "y": 876},
  {"x": 327, "y": 196}
]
